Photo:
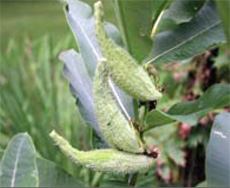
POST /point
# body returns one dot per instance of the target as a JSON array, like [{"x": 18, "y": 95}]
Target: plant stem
[
  {"x": 135, "y": 108},
  {"x": 146, "y": 108},
  {"x": 96, "y": 179},
  {"x": 193, "y": 161},
  {"x": 133, "y": 179},
  {"x": 121, "y": 23}
]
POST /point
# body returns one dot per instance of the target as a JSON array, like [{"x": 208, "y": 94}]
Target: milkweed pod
[
  {"x": 106, "y": 160},
  {"x": 117, "y": 130},
  {"x": 122, "y": 67}
]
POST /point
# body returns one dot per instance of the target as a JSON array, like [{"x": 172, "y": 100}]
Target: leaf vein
[
  {"x": 183, "y": 42},
  {"x": 16, "y": 162}
]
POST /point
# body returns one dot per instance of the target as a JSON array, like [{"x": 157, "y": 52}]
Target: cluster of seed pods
[{"x": 127, "y": 151}]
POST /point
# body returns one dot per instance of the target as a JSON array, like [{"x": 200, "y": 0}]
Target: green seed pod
[
  {"x": 122, "y": 67},
  {"x": 117, "y": 130},
  {"x": 106, "y": 160}
]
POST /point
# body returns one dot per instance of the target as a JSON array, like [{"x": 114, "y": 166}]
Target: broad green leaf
[
  {"x": 157, "y": 118},
  {"x": 180, "y": 11},
  {"x": 218, "y": 153},
  {"x": 191, "y": 112},
  {"x": 18, "y": 167},
  {"x": 203, "y": 32},
  {"x": 50, "y": 175},
  {"x": 135, "y": 20},
  {"x": 224, "y": 11}
]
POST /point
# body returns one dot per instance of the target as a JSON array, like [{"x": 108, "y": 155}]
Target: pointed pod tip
[
  {"x": 98, "y": 8},
  {"x": 54, "y": 135},
  {"x": 98, "y": 4},
  {"x": 158, "y": 95}
]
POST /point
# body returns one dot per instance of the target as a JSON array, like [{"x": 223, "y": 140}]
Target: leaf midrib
[
  {"x": 183, "y": 42},
  {"x": 86, "y": 37},
  {"x": 16, "y": 162}
]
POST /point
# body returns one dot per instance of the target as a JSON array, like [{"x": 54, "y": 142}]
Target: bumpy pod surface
[
  {"x": 117, "y": 130},
  {"x": 122, "y": 67},
  {"x": 106, "y": 160}
]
